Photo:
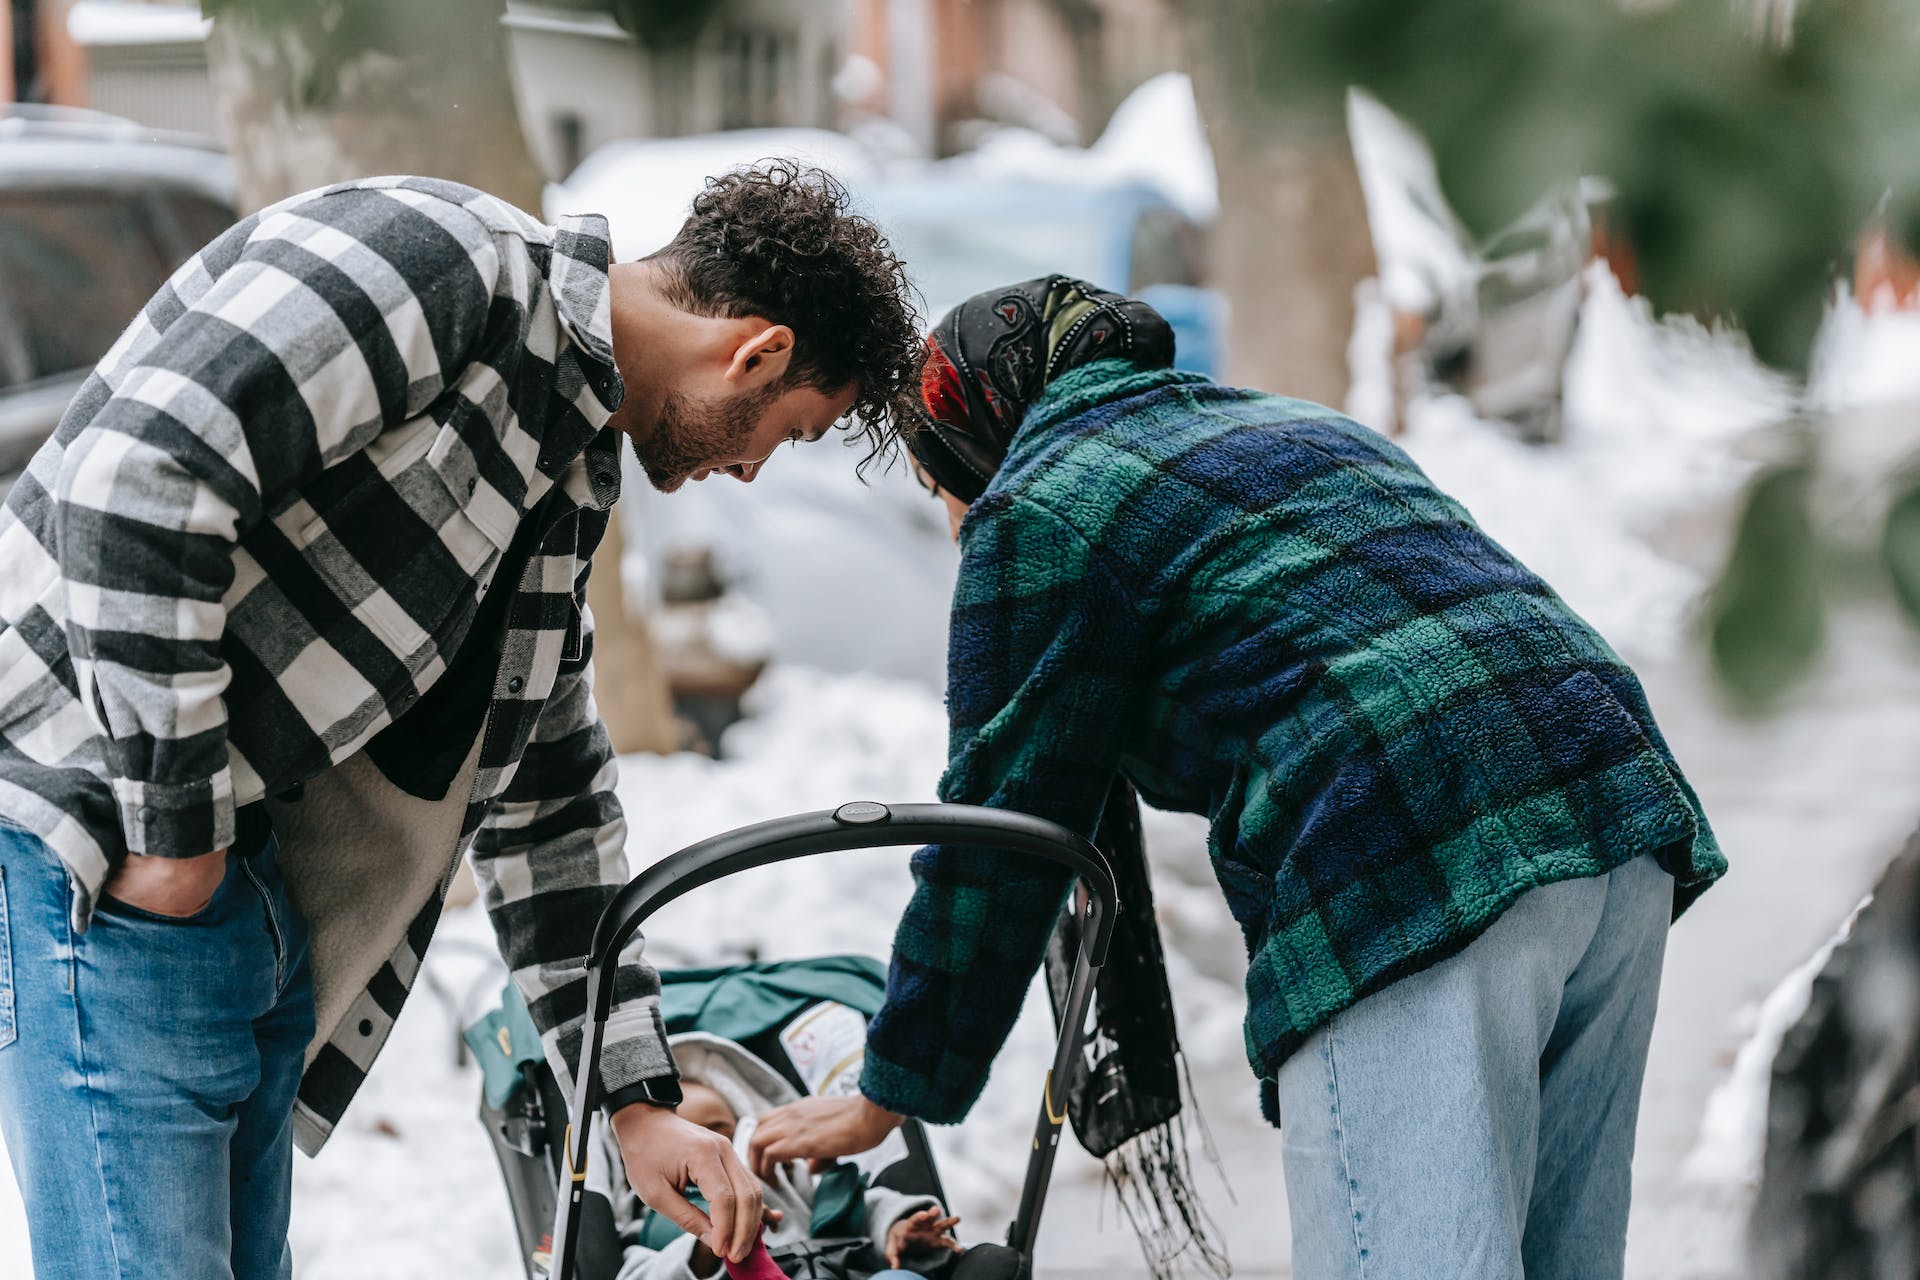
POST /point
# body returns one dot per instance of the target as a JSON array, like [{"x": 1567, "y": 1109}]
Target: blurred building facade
[
  {"x": 587, "y": 72},
  {"x": 583, "y": 78},
  {"x": 1058, "y": 66},
  {"x": 39, "y": 62},
  {"x": 145, "y": 60}
]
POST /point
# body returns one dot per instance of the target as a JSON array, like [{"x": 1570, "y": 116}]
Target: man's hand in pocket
[{"x": 167, "y": 886}]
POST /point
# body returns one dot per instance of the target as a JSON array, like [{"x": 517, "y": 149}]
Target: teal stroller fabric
[
  {"x": 740, "y": 1002},
  {"x": 502, "y": 1042},
  {"x": 743, "y": 1001}
]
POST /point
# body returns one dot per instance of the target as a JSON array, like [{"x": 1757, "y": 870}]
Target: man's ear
[{"x": 762, "y": 356}]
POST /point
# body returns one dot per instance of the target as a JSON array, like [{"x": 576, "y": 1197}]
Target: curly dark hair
[{"x": 781, "y": 240}]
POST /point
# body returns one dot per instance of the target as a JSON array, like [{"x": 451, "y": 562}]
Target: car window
[
  {"x": 75, "y": 266},
  {"x": 192, "y": 221}
]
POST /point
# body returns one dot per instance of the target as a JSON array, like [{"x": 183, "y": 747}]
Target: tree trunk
[
  {"x": 628, "y": 682},
  {"x": 313, "y": 93},
  {"x": 1292, "y": 241}
]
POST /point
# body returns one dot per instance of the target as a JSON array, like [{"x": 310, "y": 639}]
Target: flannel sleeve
[
  {"x": 1044, "y": 658},
  {"x": 285, "y": 345},
  {"x": 548, "y": 859}
]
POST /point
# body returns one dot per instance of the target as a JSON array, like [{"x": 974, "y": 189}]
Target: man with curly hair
[{"x": 292, "y": 615}]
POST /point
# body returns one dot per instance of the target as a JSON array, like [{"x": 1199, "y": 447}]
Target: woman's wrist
[{"x": 879, "y": 1119}]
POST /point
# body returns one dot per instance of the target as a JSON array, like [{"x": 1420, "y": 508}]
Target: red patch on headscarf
[{"x": 940, "y": 387}]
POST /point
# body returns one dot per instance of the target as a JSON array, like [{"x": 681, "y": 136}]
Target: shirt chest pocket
[{"x": 404, "y": 546}]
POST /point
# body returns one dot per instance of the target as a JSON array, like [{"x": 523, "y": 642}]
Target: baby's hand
[{"x": 927, "y": 1228}]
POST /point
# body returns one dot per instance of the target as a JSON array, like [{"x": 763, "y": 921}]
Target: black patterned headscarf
[{"x": 990, "y": 358}]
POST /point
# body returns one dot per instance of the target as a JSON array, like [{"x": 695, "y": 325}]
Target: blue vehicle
[{"x": 961, "y": 234}]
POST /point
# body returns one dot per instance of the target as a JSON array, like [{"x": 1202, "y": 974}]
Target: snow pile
[
  {"x": 1155, "y": 138},
  {"x": 1627, "y": 516},
  {"x": 1865, "y": 357}
]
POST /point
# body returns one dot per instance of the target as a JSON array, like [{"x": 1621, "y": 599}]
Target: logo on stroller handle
[{"x": 861, "y": 813}]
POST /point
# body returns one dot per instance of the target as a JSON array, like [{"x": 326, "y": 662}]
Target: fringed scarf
[
  {"x": 988, "y": 359},
  {"x": 1129, "y": 1101}
]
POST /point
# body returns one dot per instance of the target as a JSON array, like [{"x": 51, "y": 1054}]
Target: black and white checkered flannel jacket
[{"x": 257, "y": 538}]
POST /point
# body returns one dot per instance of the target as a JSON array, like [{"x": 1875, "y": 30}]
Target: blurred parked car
[
  {"x": 960, "y": 234},
  {"x": 95, "y": 213}
]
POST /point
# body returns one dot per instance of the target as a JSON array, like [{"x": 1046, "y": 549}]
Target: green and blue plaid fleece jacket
[{"x": 1265, "y": 613}]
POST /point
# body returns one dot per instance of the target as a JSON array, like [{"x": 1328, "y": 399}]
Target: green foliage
[
  {"x": 1764, "y": 620},
  {"x": 1745, "y": 166}
]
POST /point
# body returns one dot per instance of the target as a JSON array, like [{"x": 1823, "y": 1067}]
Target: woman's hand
[
  {"x": 664, "y": 1154},
  {"x": 819, "y": 1131},
  {"x": 925, "y": 1229}
]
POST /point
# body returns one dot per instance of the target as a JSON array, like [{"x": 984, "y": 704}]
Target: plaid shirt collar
[{"x": 583, "y": 299}]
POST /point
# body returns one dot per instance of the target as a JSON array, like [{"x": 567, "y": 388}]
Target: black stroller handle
[{"x": 862, "y": 824}]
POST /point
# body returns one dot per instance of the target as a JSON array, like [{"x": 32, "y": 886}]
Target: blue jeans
[
  {"x": 147, "y": 1073},
  {"x": 1475, "y": 1119}
]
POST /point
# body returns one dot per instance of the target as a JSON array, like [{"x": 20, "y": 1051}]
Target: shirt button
[
  {"x": 471, "y": 486},
  {"x": 146, "y": 814},
  {"x": 516, "y": 684}
]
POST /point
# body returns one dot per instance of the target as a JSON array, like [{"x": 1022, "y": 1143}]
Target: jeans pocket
[{"x": 7, "y": 1026}]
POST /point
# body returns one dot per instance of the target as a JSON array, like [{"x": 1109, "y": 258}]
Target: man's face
[{"x": 735, "y": 432}]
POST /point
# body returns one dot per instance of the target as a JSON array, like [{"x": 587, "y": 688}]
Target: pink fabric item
[{"x": 759, "y": 1264}]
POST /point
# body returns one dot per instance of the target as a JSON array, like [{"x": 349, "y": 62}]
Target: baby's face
[{"x": 706, "y": 1108}]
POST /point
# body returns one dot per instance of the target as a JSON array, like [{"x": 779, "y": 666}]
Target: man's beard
[{"x": 695, "y": 432}]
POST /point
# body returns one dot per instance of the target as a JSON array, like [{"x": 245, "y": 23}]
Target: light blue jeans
[
  {"x": 147, "y": 1073},
  {"x": 1475, "y": 1120}
]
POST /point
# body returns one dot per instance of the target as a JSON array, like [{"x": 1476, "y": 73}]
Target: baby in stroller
[{"x": 835, "y": 1224}]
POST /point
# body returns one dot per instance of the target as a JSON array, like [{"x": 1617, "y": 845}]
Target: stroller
[{"x": 565, "y": 1220}]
